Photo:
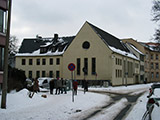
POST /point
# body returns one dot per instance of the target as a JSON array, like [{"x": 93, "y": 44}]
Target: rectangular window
[
  {"x": 157, "y": 74},
  {"x": 30, "y": 61},
  {"x": 57, "y": 74},
  {"x": 38, "y": 61},
  {"x": 152, "y": 67},
  {"x": 43, "y": 61},
  {"x": 51, "y": 61},
  {"x": 30, "y": 74},
  {"x": 43, "y": 73},
  {"x": 130, "y": 69},
  {"x": 23, "y": 61},
  {"x": 157, "y": 66},
  {"x": 51, "y": 74},
  {"x": 2, "y": 21},
  {"x": 152, "y": 74},
  {"x": 57, "y": 61},
  {"x": 1, "y": 58},
  {"x": 151, "y": 56},
  {"x": 86, "y": 66},
  {"x": 157, "y": 57},
  {"x": 93, "y": 66},
  {"x": 78, "y": 66},
  {"x": 37, "y": 74},
  {"x": 142, "y": 68}
]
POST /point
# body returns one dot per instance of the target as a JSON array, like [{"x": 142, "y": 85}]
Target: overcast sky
[{"x": 121, "y": 18}]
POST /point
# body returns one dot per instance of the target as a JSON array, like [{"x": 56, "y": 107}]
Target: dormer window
[
  {"x": 43, "y": 50},
  {"x": 54, "y": 49}
]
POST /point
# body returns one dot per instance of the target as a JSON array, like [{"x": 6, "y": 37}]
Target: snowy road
[
  {"x": 100, "y": 104},
  {"x": 127, "y": 101}
]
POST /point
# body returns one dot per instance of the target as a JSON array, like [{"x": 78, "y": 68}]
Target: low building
[{"x": 42, "y": 57}]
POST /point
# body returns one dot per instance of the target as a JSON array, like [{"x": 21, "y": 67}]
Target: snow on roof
[
  {"x": 136, "y": 49},
  {"x": 37, "y": 53},
  {"x": 46, "y": 44},
  {"x": 123, "y": 53}
]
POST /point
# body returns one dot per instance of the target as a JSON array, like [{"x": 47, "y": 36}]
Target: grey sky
[{"x": 121, "y": 18}]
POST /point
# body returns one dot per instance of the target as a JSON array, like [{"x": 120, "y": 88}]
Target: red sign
[{"x": 71, "y": 67}]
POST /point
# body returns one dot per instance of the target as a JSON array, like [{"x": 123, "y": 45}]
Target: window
[
  {"x": 38, "y": 61},
  {"x": 130, "y": 69},
  {"x": 152, "y": 56},
  {"x": 85, "y": 66},
  {"x": 43, "y": 73},
  {"x": 51, "y": 74},
  {"x": 37, "y": 74},
  {"x": 142, "y": 68},
  {"x": 30, "y": 74},
  {"x": 157, "y": 57},
  {"x": 118, "y": 73},
  {"x": 93, "y": 66},
  {"x": 157, "y": 66},
  {"x": 30, "y": 62},
  {"x": 43, "y": 61},
  {"x": 57, "y": 61},
  {"x": 78, "y": 66},
  {"x": 2, "y": 21},
  {"x": 86, "y": 45},
  {"x": 157, "y": 74},
  {"x": 57, "y": 74},
  {"x": 142, "y": 58},
  {"x": 152, "y": 66},
  {"x": 23, "y": 61},
  {"x": 51, "y": 61},
  {"x": 152, "y": 75},
  {"x": 1, "y": 58}
]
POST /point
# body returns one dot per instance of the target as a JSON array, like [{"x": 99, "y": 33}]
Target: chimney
[{"x": 55, "y": 37}]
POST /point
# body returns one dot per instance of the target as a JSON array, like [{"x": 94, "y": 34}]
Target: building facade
[
  {"x": 97, "y": 55},
  {"x": 3, "y": 22},
  {"x": 151, "y": 59}
]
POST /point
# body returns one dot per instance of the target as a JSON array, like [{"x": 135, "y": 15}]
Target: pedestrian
[
  {"x": 58, "y": 86},
  {"x": 75, "y": 86},
  {"x": 35, "y": 88},
  {"x": 64, "y": 85},
  {"x": 51, "y": 86},
  {"x": 85, "y": 86}
]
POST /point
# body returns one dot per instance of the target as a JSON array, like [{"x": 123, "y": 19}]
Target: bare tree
[
  {"x": 156, "y": 18},
  {"x": 12, "y": 50}
]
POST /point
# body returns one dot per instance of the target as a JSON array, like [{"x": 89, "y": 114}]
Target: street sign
[{"x": 71, "y": 67}]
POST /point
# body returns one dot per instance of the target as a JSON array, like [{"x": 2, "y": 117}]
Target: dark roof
[
  {"x": 110, "y": 39},
  {"x": 31, "y": 45}
]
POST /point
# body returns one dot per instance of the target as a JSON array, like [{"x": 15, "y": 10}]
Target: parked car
[
  {"x": 44, "y": 82},
  {"x": 153, "y": 103}
]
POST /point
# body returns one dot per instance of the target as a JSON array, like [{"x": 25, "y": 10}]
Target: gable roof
[
  {"x": 115, "y": 44},
  {"x": 109, "y": 39}
]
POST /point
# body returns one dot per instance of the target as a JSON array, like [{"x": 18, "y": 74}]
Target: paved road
[{"x": 115, "y": 97}]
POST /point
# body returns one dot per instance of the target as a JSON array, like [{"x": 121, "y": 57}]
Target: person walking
[
  {"x": 85, "y": 86},
  {"x": 35, "y": 88},
  {"x": 58, "y": 86},
  {"x": 64, "y": 85},
  {"x": 51, "y": 86},
  {"x": 75, "y": 86}
]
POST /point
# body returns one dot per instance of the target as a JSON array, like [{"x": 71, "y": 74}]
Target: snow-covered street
[{"x": 61, "y": 107}]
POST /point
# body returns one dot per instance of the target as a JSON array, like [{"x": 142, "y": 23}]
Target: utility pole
[{"x": 5, "y": 75}]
